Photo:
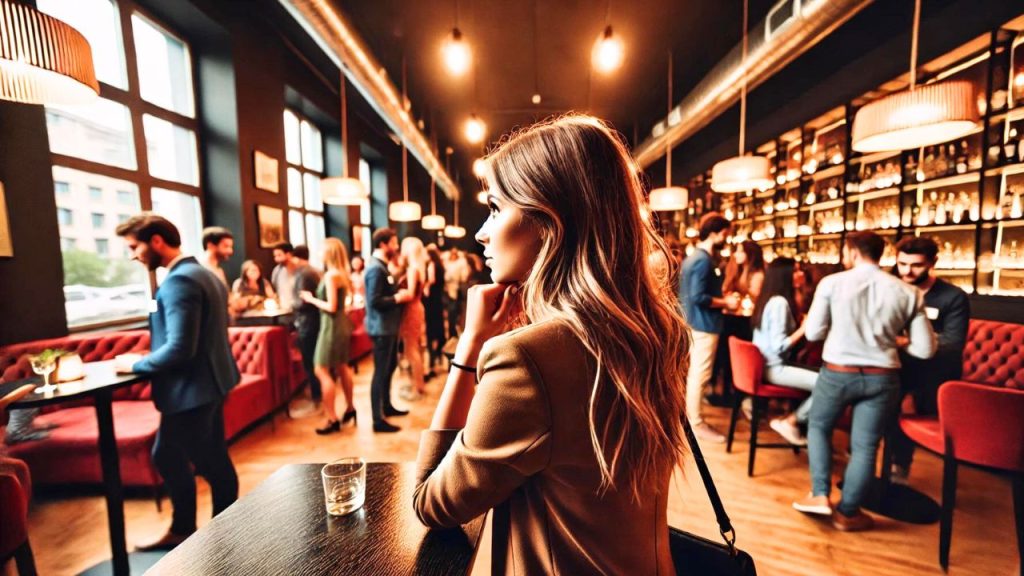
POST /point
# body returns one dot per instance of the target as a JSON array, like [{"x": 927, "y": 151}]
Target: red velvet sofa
[{"x": 70, "y": 455}]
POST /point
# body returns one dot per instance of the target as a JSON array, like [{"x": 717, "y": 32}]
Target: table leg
[
  {"x": 112, "y": 482},
  {"x": 897, "y": 501}
]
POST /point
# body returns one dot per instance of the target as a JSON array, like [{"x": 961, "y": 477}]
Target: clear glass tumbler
[{"x": 344, "y": 485}]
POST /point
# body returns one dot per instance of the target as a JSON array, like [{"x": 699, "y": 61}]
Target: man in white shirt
[{"x": 865, "y": 316}]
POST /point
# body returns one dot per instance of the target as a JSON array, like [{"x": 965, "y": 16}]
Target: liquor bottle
[
  {"x": 811, "y": 197},
  {"x": 952, "y": 160},
  {"x": 1020, "y": 148},
  {"x": 928, "y": 166},
  {"x": 961, "y": 158},
  {"x": 1010, "y": 147},
  {"x": 995, "y": 154},
  {"x": 975, "y": 206},
  {"x": 941, "y": 164},
  {"x": 1013, "y": 251},
  {"x": 1015, "y": 206},
  {"x": 911, "y": 166},
  {"x": 908, "y": 216},
  {"x": 940, "y": 212}
]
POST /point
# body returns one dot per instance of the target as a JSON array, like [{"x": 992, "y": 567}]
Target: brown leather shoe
[
  {"x": 166, "y": 542},
  {"x": 856, "y": 523}
]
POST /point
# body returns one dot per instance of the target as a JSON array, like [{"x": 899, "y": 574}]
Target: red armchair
[
  {"x": 15, "y": 494},
  {"x": 979, "y": 426},
  {"x": 747, "y": 371}
]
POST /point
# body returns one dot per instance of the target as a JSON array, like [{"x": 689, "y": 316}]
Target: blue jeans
[{"x": 875, "y": 399}]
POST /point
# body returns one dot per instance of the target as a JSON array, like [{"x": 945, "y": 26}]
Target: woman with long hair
[
  {"x": 574, "y": 427},
  {"x": 744, "y": 273},
  {"x": 433, "y": 305},
  {"x": 332, "y": 344},
  {"x": 411, "y": 330},
  {"x": 776, "y": 332},
  {"x": 251, "y": 290}
]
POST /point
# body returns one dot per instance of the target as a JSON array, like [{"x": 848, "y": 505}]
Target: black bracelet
[{"x": 463, "y": 367}]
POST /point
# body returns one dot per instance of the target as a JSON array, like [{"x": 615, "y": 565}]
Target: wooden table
[
  {"x": 281, "y": 527},
  {"x": 264, "y": 318},
  {"x": 99, "y": 384}
]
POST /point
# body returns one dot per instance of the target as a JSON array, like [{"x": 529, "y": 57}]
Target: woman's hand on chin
[{"x": 487, "y": 312}]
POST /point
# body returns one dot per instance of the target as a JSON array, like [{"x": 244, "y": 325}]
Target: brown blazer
[{"x": 527, "y": 444}]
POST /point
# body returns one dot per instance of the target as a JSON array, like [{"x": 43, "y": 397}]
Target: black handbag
[{"x": 692, "y": 554}]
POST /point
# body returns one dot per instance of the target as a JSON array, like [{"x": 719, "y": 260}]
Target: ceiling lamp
[
  {"x": 475, "y": 129},
  {"x": 919, "y": 116},
  {"x": 608, "y": 52},
  {"x": 455, "y": 50},
  {"x": 669, "y": 197},
  {"x": 481, "y": 197},
  {"x": 433, "y": 221},
  {"x": 343, "y": 190},
  {"x": 742, "y": 173},
  {"x": 454, "y": 230},
  {"x": 404, "y": 210},
  {"x": 42, "y": 59}
]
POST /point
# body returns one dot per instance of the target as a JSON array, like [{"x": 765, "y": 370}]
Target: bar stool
[
  {"x": 979, "y": 426},
  {"x": 747, "y": 371}
]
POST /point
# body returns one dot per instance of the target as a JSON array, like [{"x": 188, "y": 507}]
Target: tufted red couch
[
  {"x": 70, "y": 455},
  {"x": 994, "y": 354}
]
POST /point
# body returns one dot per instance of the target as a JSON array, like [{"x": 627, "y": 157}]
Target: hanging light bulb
[
  {"x": 669, "y": 197},
  {"x": 343, "y": 190},
  {"x": 919, "y": 116},
  {"x": 455, "y": 51},
  {"x": 404, "y": 210},
  {"x": 480, "y": 168},
  {"x": 608, "y": 52},
  {"x": 481, "y": 197},
  {"x": 742, "y": 173},
  {"x": 536, "y": 98},
  {"x": 475, "y": 129}
]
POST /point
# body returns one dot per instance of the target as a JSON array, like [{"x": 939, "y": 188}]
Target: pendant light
[
  {"x": 669, "y": 197},
  {"x": 742, "y": 173},
  {"x": 404, "y": 210},
  {"x": 434, "y": 221},
  {"x": 608, "y": 51},
  {"x": 454, "y": 230},
  {"x": 455, "y": 50},
  {"x": 343, "y": 190},
  {"x": 43, "y": 60},
  {"x": 919, "y": 116}
]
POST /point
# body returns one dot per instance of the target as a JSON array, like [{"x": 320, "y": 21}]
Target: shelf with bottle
[
  {"x": 893, "y": 192},
  {"x": 953, "y": 205},
  {"x": 878, "y": 213},
  {"x": 942, "y": 161},
  {"x": 826, "y": 151},
  {"x": 821, "y": 191},
  {"x": 824, "y": 250},
  {"x": 826, "y": 220},
  {"x": 829, "y": 172},
  {"x": 879, "y": 175},
  {"x": 956, "y": 245},
  {"x": 1010, "y": 203}
]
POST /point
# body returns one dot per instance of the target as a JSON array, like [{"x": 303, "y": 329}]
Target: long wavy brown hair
[{"x": 597, "y": 272}]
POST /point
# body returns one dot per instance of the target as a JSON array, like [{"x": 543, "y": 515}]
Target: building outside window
[
  {"x": 304, "y": 152},
  {"x": 146, "y": 96}
]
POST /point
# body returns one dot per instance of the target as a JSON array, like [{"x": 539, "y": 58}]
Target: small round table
[{"x": 99, "y": 383}]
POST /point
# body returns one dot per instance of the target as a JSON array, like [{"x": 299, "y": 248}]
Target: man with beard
[
  {"x": 700, "y": 292},
  {"x": 219, "y": 245},
  {"x": 192, "y": 371},
  {"x": 383, "y": 316},
  {"x": 949, "y": 311}
]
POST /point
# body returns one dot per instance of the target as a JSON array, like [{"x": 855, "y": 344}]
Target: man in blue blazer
[
  {"x": 192, "y": 371},
  {"x": 383, "y": 316}
]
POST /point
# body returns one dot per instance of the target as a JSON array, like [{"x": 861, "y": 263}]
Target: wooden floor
[{"x": 68, "y": 533}]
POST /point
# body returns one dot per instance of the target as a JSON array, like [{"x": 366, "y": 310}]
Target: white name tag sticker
[
  {"x": 718, "y": 272},
  {"x": 153, "y": 306},
  {"x": 391, "y": 280},
  {"x": 931, "y": 313}
]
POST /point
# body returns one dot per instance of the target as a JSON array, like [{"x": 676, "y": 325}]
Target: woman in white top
[{"x": 775, "y": 334}]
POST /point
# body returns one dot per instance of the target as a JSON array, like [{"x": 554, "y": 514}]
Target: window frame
[
  {"x": 138, "y": 107},
  {"x": 303, "y": 171}
]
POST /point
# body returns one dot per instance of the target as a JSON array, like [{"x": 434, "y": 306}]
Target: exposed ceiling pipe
[
  {"x": 791, "y": 28},
  {"x": 328, "y": 27}
]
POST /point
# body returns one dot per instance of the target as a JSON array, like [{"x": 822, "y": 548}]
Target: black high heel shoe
[
  {"x": 331, "y": 427},
  {"x": 350, "y": 415}
]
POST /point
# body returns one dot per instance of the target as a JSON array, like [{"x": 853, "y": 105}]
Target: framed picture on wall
[
  {"x": 265, "y": 168},
  {"x": 270, "y": 221},
  {"x": 6, "y": 244}
]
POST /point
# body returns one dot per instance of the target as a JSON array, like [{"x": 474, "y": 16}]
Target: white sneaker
[
  {"x": 789, "y": 432},
  {"x": 812, "y": 504}
]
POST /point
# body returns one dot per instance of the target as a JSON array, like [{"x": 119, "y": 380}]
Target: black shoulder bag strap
[{"x": 724, "y": 525}]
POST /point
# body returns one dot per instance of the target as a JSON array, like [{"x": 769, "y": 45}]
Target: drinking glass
[
  {"x": 344, "y": 485},
  {"x": 44, "y": 365}
]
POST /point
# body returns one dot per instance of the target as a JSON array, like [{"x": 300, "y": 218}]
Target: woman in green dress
[{"x": 332, "y": 344}]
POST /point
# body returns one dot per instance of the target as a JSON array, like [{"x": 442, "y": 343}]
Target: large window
[
  {"x": 304, "y": 151},
  {"x": 364, "y": 230},
  {"x": 133, "y": 148}
]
